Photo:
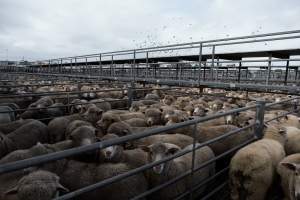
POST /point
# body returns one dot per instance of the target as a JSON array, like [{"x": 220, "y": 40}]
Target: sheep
[
  {"x": 168, "y": 100},
  {"x": 136, "y": 122},
  {"x": 103, "y": 105},
  {"x": 289, "y": 171},
  {"x": 153, "y": 116},
  {"x": 116, "y": 154},
  {"x": 7, "y": 114},
  {"x": 43, "y": 102},
  {"x": 57, "y": 127},
  {"x": 290, "y": 120},
  {"x": 11, "y": 126},
  {"x": 77, "y": 108},
  {"x": 252, "y": 168},
  {"x": 76, "y": 175},
  {"x": 152, "y": 96},
  {"x": 166, "y": 171},
  {"x": 39, "y": 185},
  {"x": 121, "y": 128},
  {"x": 108, "y": 118},
  {"x": 24, "y": 137},
  {"x": 293, "y": 138},
  {"x": 80, "y": 137},
  {"x": 75, "y": 124},
  {"x": 206, "y": 133}
]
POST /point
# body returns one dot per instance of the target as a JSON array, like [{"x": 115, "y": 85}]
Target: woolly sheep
[
  {"x": 166, "y": 171},
  {"x": 116, "y": 154},
  {"x": 76, "y": 175},
  {"x": 252, "y": 168},
  {"x": 289, "y": 171},
  {"x": 11, "y": 126},
  {"x": 293, "y": 140},
  {"x": 24, "y": 137},
  {"x": 39, "y": 185}
]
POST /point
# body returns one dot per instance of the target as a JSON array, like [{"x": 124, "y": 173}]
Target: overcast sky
[{"x": 40, "y": 29}]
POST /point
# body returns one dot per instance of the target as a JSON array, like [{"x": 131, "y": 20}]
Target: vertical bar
[
  {"x": 75, "y": 65},
  {"x": 71, "y": 67},
  {"x": 286, "y": 71},
  {"x": 60, "y": 68},
  {"x": 239, "y": 72},
  {"x": 193, "y": 162},
  {"x": 212, "y": 62},
  {"x": 269, "y": 69},
  {"x": 204, "y": 71},
  {"x": 296, "y": 73},
  {"x": 100, "y": 65},
  {"x": 49, "y": 66},
  {"x": 260, "y": 112},
  {"x": 147, "y": 64},
  {"x": 111, "y": 66},
  {"x": 200, "y": 60},
  {"x": 86, "y": 67},
  {"x": 133, "y": 67}
]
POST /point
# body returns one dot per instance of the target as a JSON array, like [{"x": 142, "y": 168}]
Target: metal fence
[
  {"x": 258, "y": 133},
  {"x": 197, "y": 62}
]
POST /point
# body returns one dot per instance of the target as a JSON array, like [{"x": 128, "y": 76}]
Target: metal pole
[
  {"x": 133, "y": 67},
  {"x": 200, "y": 60},
  {"x": 75, "y": 65},
  {"x": 60, "y": 68},
  {"x": 100, "y": 64},
  {"x": 239, "y": 75},
  {"x": 86, "y": 67},
  {"x": 260, "y": 112},
  {"x": 49, "y": 66},
  {"x": 193, "y": 162},
  {"x": 286, "y": 72},
  {"x": 269, "y": 69},
  {"x": 71, "y": 69},
  {"x": 212, "y": 62},
  {"x": 111, "y": 66},
  {"x": 147, "y": 64}
]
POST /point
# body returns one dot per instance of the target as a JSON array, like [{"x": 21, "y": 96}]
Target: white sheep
[
  {"x": 169, "y": 170},
  {"x": 252, "y": 169},
  {"x": 289, "y": 171}
]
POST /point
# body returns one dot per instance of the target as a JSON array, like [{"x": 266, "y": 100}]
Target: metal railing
[{"x": 207, "y": 65}]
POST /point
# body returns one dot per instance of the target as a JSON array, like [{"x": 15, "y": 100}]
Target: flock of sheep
[{"x": 54, "y": 123}]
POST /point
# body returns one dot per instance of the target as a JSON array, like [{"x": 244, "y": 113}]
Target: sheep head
[
  {"x": 39, "y": 185},
  {"x": 294, "y": 184},
  {"x": 159, "y": 151}
]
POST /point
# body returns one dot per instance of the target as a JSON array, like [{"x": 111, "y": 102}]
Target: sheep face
[
  {"x": 40, "y": 185},
  {"x": 93, "y": 114},
  {"x": 153, "y": 116},
  {"x": 84, "y": 135},
  {"x": 111, "y": 152},
  {"x": 200, "y": 111},
  {"x": 294, "y": 184},
  {"x": 107, "y": 120},
  {"x": 168, "y": 100},
  {"x": 159, "y": 151}
]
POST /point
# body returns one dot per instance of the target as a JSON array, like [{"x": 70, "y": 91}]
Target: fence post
[
  {"x": 260, "y": 113},
  {"x": 130, "y": 94}
]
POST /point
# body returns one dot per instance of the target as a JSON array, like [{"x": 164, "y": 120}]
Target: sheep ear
[
  {"x": 99, "y": 112},
  {"x": 173, "y": 150},
  {"x": 62, "y": 188},
  {"x": 144, "y": 148},
  {"x": 10, "y": 191},
  {"x": 290, "y": 166},
  {"x": 125, "y": 132}
]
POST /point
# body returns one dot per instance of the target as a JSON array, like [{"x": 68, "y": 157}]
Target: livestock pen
[{"x": 180, "y": 75}]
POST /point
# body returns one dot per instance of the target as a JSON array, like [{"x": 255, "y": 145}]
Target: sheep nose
[
  {"x": 108, "y": 153},
  {"x": 150, "y": 122}
]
